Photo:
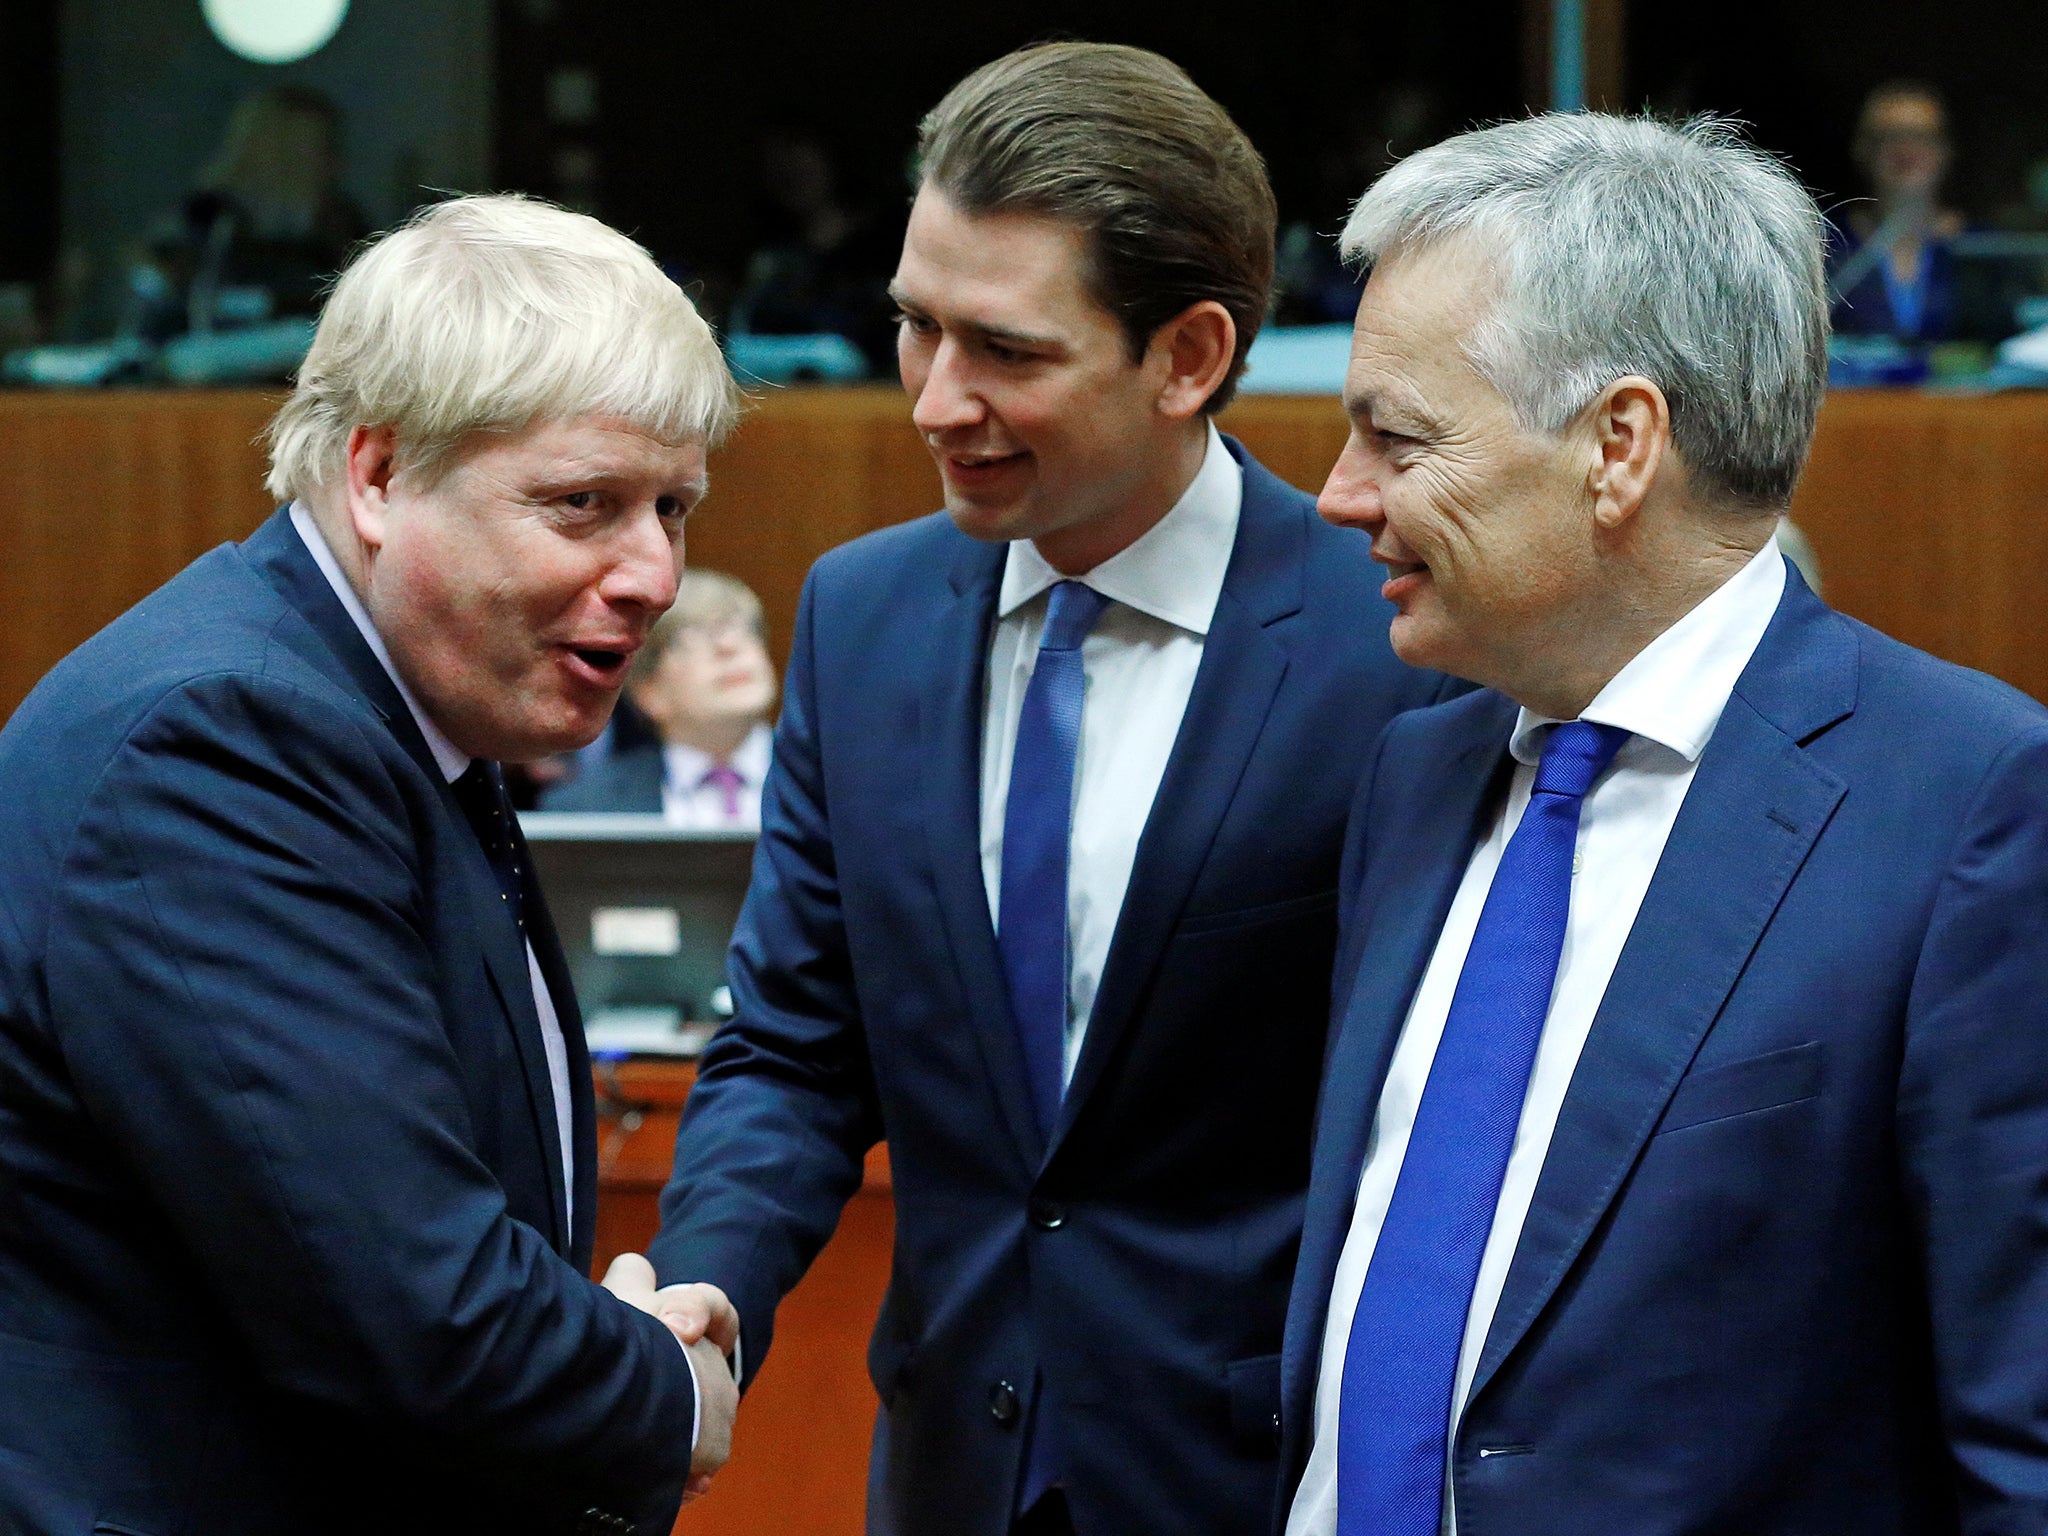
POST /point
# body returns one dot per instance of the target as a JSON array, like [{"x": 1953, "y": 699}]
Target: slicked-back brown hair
[{"x": 1121, "y": 143}]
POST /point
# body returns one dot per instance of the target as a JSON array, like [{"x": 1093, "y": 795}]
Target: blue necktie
[
  {"x": 1401, "y": 1363},
  {"x": 1038, "y": 821},
  {"x": 1031, "y": 921}
]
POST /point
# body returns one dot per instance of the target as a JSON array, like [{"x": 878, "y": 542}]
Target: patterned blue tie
[
  {"x": 1038, "y": 821},
  {"x": 1401, "y": 1363}
]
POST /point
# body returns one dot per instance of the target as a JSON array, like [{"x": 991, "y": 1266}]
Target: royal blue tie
[
  {"x": 1038, "y": 821},
  {"x": 1400, "y": 1365},
  {"x": 1031, "y": 916}
]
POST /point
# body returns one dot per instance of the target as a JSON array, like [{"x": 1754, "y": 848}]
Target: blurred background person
[
  {"x": 824, "y": 266},
  {"x": 263, "y": 231},
  {"x": 1891, "y": 271},
  {"x": 705, "y": 684}
]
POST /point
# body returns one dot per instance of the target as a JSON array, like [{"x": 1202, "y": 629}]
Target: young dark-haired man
[{"x": 1046, "y": 883}]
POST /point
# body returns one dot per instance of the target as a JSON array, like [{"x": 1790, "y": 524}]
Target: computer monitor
[{"x": 645, "y": 911}]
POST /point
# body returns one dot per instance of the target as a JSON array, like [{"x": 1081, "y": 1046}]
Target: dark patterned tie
[{"x": 480, "y": 791}]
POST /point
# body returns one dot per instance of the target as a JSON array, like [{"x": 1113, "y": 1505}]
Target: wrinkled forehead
[{"x": 1420, "y": 308}]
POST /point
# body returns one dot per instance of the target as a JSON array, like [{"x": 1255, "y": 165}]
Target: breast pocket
[{"x": 1747, "y": 1087}]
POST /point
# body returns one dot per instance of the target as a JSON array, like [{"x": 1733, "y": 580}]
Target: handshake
[{"x": 706, "y": 1324}]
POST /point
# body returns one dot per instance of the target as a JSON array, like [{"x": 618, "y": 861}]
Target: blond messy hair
[{"x": 493, "y": 313}]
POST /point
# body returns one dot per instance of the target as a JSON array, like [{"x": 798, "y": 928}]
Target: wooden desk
[
  {"x": 1929, "y": 513},
  {"x": 800, "y": 1447}
]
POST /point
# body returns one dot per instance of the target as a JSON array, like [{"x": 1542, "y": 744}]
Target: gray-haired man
[{"x": 1681, "y": 1161}]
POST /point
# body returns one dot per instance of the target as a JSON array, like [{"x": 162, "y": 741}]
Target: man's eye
[
  {"x": 669, "y": 508},
  {"x": 582, "y": 501}
]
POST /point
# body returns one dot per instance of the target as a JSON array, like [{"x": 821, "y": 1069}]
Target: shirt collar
[
  {"x": 1175, "y": 569},
  {"x": 1674, "y": 690},
  {"x": 451, "y": 759},
  {"x": 686, "y": 765}
]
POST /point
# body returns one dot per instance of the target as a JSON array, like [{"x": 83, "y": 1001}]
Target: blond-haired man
[{"x": 297, "y": 1133}]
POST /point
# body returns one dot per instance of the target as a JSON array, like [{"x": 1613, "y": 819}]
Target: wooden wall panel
[
  {"x": 1929, "y": 513},
  {"x": 800, "y": 1445},
  {"x": 104, "y": 497}
]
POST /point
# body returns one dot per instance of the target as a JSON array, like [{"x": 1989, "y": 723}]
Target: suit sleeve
[
  {"x": 773, "y": 1137},
  {"x": 242, "y": 974},
  {"x": 1973, "y": 1123}
]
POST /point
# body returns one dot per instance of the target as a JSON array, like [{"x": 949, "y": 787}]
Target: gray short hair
[
  {"x": 1629, "y": 246},
  {"x": 491, "y": 314}
]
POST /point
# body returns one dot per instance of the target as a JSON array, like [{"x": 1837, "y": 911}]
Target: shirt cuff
[{"x": 696, "y": 1393}]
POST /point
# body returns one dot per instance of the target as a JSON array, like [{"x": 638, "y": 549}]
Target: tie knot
[
  {"x": 476, "y": 791},
  {"x": 721, "y": 776},
  {"x": 1069, "y": 616},
  {"x": 1574, "y": 757}
]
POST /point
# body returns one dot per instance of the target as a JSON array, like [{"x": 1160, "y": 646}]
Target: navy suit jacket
[
  {"x": 1140, "y": 1259},
  {"x": 282, "y": 1235},
  {"x": 1786, "y": 1269}
]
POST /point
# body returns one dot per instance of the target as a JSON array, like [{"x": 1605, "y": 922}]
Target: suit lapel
[
  {"x": 574, "y": 1238},
  {"x": 1756, "y": 806},
  {"x": 277, "y": 550},
  {"x": 1413, "y": 868},
  {"x": 951, "y": 730},
  {"x": 1239, "y": 677}
]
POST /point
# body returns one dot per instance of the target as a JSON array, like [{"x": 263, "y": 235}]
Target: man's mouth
[
  {"x": 603, "y": 663},
  {"x": 982, "y": 463}
]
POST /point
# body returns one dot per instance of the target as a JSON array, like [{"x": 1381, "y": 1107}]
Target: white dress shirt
[
  {"x": 1139, "y": 662},
  {"x": 687, "y": 801},
  {"x": 1670, "y": 697}
]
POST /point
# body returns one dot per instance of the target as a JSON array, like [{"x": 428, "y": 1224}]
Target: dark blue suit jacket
[
  {"x": 1786, "y": 1269},
  {"x": 1141, "y": 1259},
  {"x": 282, "y": 1237}
]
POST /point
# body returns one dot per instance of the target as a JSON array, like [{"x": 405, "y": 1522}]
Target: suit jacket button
[
  {"x": 1046, "y": 1215},
  {"x": 1002, "y": 1403}
]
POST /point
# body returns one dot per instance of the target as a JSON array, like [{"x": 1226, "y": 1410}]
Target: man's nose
[
  {"x": 946, "y": 399},
  {"x": 1351, "y": 496},
  {"x": 645, "y": 563}
]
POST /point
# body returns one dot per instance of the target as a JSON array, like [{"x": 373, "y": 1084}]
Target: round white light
[{"x": 274, "y": 31}]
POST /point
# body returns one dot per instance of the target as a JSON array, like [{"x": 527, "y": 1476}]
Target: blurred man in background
[{"x": 705, "y": 683}]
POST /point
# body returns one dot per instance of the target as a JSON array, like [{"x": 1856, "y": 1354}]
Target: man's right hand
[
  {"x": 705, "y": 1324},
  {"x": 718, "y": 1401}
]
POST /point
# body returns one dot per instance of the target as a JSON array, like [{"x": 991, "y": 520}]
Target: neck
[
  {"x": 1077, "y": 550},
  {"x": 1632, "y": 607},
  {"x": 718, "y": 740}
]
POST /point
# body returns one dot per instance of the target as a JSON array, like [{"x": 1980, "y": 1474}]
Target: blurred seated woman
[
  {"x": 704, "y": 682},
  {"x": 263, "y": 232},
  {"x": 1890, "y": 271}
]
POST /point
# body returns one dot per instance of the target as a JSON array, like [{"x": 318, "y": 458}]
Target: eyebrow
[
  {"x": 1381, "y": 408},
  {"x": 1000, "y": 333}
]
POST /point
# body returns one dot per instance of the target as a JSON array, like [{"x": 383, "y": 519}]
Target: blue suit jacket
[
  {"x": 1141, "y": 1259},
  {"x": 1786, "y": 1269},
  {"x": 282, "y": 1237}
]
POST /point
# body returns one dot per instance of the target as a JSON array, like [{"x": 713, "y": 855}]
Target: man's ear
[
  {"x": 1631, "y": 436},
  {"x": 1196, "y": 347},
  {"x": 372, "y": 452}
]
